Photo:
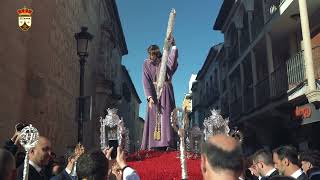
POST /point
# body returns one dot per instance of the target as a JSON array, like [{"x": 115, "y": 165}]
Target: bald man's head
[
  {"x": 41, "y": 153},
  {"x": 224, "y": 142},
  {"x": 222, "y": 153}
]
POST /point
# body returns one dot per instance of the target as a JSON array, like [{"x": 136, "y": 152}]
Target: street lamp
[{"x": 82, "y": 38}]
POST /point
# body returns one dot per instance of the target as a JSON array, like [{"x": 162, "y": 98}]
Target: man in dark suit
[
  {"x": 39, "y": 157},
  {"x": 262, "y": 160},
  {"x": 7, "y": 165},
  {"x": 285, "y": 159},
  {"x": 310, "y": 164},
  {"x": 66, "y": 174}
]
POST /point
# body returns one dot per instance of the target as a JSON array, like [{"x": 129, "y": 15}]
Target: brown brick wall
[
  {"x": 316, "y": 39},
  {"x": 39, "y": 69},
  {"x": 12, "y": 68}
]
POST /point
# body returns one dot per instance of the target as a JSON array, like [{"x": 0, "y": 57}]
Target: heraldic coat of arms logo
[{"x": 24, "y": 19}]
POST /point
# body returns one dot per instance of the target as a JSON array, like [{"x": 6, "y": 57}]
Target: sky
[{"x": 144, "y": 22}]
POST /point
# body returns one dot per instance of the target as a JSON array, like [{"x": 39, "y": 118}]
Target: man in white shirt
[
  {"x": 263, "y": 162},
  {"x": 285, "y": 159}
]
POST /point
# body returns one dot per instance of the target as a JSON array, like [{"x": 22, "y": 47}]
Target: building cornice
[
  {"x": 113, "y": 10},
  {"x": 141, "y": 119},
  {"x": 223, "y": 14},
  {"x": 210, "y": 58},
  {"x": 194, "y": 84}
]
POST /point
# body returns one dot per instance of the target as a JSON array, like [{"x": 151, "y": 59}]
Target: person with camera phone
[
  {"x": 120, "y": 169},
  {"x": 12, "y": 144},
  {"x": 114, "y": 145}
]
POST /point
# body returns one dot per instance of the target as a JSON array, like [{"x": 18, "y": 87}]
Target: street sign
[{"x": 307, "y": 113}]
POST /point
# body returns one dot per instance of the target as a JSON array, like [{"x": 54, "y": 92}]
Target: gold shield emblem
[{"x": 24, "y": 19}]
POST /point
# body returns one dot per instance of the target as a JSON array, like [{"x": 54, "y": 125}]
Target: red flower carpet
[{"x": 155, "y": 165}]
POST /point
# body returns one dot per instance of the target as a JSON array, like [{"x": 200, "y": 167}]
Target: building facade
[
  {"x": 129, "y": 109},
  {"x": 187, "y": 100},
  {"x": 39, "y": 68},
  {"x": 264, "y": 76},
  {"x": 205, "y": 90}
]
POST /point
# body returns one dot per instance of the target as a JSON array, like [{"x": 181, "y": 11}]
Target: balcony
[
  {"x": 296, "y": 73},
  {"x": 295, "y": 70},
  {"x": 286, "y": 77}
]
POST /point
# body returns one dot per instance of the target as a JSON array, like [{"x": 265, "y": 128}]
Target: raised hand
[
  {"x": 107, "y": 152},
  {"x": 171, "y": 40},
  {"x": 150, "y": 102},
  {"x": 121, "y": 159}
]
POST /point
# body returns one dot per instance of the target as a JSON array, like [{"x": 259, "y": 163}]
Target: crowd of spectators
[{"x": 222, "y": 158}]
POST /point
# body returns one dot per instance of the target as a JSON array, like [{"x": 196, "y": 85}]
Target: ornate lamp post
[{"x": 82, "y": 38}]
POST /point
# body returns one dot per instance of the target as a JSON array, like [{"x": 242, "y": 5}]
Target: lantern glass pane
[{"x": 82, "y": 46}]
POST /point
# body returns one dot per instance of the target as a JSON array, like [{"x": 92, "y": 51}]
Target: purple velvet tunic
[{"x": 167, "y": 102}]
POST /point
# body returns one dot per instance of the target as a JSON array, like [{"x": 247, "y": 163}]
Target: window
[{"x": 126, "y": 92}]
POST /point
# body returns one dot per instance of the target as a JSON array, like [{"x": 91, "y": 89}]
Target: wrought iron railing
[
  {"x": 279, "y": 84},
  {"x": 262, "y": 91},
  {"x": 295, "y": 70},
  {"x": 296, "y": 67}
]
